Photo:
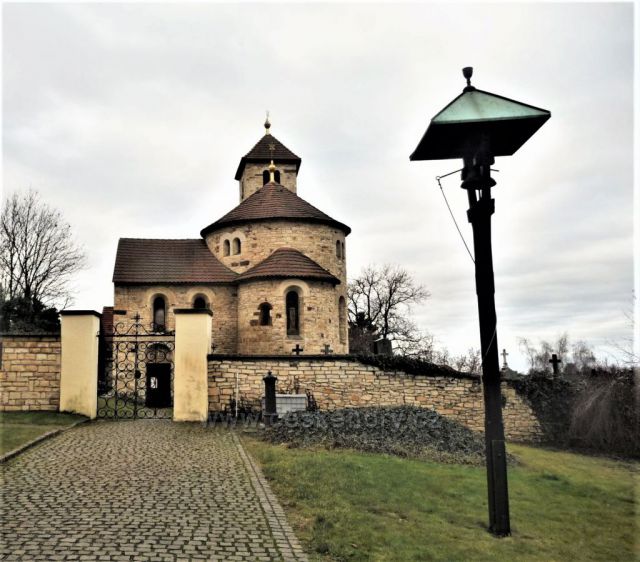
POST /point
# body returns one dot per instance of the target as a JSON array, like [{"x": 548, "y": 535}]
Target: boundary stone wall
[
  {"x": 342, "y": 382},
  {"x": 30, "y": 372}
]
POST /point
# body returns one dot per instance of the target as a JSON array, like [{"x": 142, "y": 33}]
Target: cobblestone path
[{"x": 147, "y": 490}]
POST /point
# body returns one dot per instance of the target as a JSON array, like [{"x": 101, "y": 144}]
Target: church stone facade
[
  {"x": 272, "y": 270},
  {"x": 271, "y": 273}
]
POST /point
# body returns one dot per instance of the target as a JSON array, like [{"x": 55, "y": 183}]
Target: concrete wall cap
[
  {"x": 55, "y": 335},
  {"x": 193, "y": 311},
  {"x": 249, "y": 358},
  {"x": 80, "y": 313}
]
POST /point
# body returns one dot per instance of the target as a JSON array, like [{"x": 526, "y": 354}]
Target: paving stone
[{"x": 148, "y": 490}]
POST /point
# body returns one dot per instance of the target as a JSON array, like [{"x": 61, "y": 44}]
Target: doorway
[{"x": 158, "y": 393}]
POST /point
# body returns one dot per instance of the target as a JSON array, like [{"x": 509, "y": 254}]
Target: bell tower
[{"x": 254, "y": 168}]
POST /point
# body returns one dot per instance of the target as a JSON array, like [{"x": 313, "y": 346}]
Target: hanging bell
[
  {"x": 476, "y": 172},
  {"x": 477, "y": 177}
]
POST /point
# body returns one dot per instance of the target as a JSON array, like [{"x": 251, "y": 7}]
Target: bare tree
[
  {"x": 579, "y": 354},
  {"x": 38, "y": 255},
  {"x": 625, "y": 353},
  {"x": 469, "y": 363},
  {"x": 539, "y": 356},
  {"x": 415, "y": 343},
  {"x": 380, "y": 299},
  {"x": 582, "y": 356}
]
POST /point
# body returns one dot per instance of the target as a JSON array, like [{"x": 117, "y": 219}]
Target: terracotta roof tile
[
  {"x": 144, "y": 260},
  {"x": 285, "y": 263},
  {"x": 262, "y": 153},
  {"x": 273, "y": 201}
]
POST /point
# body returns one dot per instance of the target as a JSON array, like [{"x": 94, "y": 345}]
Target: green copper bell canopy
[{"x": 476, "y": 117}]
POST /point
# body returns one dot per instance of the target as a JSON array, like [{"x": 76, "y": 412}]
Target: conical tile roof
[
  {"x": 288, "y": 263},
  {"x": 273, "y": 201}
]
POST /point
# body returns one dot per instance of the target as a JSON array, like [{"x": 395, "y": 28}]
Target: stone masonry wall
[
  {"x": 341, "y": 383},
  {"x": 260, "y": 239},
  {"x": 251, "y": 180},
  {"x": 30, "y": 372},
  {"x": 319, "y": 318},
  {"x": 221, "y": 299}
]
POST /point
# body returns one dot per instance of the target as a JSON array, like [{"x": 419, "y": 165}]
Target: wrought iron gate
[{"x": 135, "y": 376}]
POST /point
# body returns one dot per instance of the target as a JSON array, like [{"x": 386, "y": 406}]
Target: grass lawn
[
  {"x": 346, "y": 505},
  {"x": 17, "y": 428}
]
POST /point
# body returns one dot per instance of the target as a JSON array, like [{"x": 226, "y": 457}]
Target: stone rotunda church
[{"x": 272, "y": 270}]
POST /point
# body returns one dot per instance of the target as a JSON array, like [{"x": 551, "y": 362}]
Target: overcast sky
[{"x": 131, "y": 119}]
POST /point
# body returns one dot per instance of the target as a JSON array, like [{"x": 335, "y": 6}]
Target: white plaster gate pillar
[
  {"x": 190, "y": 377},
  {"x": 79, "y": 361}
]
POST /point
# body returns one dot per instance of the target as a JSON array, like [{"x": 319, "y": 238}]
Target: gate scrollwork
[{"x": 135, "y": 377}]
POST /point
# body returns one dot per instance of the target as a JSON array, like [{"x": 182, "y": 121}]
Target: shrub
[
  {"x": 405, "y": 431},
  {"x": 604, "y": 415},
  {"x": 551, "y": 398},
  {"x": 23, "y": 315},
  {"x": 410, "y": 365},
  {"x": 595, "y": 412}
]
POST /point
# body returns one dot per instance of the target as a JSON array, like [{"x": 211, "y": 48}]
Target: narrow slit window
[
  {"x": 292, "y": 302},
  {"x": 342, "y": 320},
  {"x": 159, "y": 314}
]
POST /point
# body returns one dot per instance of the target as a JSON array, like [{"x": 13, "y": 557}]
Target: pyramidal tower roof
[{"x": 267, "y": 148}]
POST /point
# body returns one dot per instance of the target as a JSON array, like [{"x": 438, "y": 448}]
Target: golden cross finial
[{"x": 272, "y": 172}]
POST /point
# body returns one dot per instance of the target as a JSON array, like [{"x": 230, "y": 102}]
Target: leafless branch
[
  {"x": 38, "y": 255},
  {"x": 380, "y": 299}
]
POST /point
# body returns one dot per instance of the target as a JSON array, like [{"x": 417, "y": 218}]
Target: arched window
[
  {"x": 266, "y": 177},
  {"x": 226, "y": 247},
  {"x": 159, "y": 314},
  {"x": 292, "y": 302},
  {"x": 265, "y": 314},
  {"x": 342, "y": 320},
  {"x": 338, "y": 249},
  {"x": 237, "y": 246},
  {"x": 199, "y": 302}
]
